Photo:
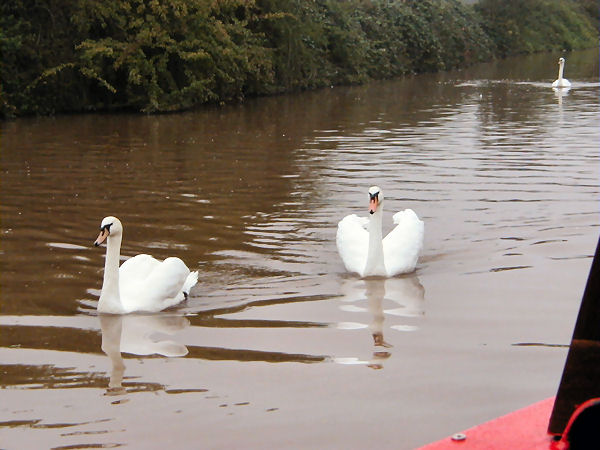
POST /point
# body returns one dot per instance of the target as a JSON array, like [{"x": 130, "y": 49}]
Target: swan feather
[
  {"x": 402, "y": 245},
  {"x": 150, "y": 285},
  {"x": 352, "y": 241}
]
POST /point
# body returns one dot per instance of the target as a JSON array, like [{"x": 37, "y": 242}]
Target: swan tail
[{"x": 190, "y": 281}]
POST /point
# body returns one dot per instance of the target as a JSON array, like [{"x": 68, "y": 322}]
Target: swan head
[
  {"x": 375, "y": 199},
  {"x": 110, "y": 226},
  {"x": 561, "y": 61}
]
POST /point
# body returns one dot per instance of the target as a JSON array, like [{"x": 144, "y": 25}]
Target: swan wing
[
  {"x": 151, "y": 285},
  {"x": 136, "y": 268},
  {"x": 402, "y": 245},
  {"x": 132, "y": 277},
  {"x": 164, "y": 285},
  {"x": 352, "y": 242}
]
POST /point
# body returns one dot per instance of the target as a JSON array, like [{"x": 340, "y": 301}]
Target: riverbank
[{"x": 172, "y": 56}]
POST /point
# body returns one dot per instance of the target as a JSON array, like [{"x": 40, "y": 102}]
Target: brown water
[{"x": 274, "y": 347}]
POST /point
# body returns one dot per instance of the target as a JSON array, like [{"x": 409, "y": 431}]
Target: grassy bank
[{"x": 158, "y": 55}]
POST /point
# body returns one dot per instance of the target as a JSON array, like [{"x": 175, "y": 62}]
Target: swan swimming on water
[
  {"x": 363, "y": 249},
  {"x": 561, "y": 82},
  {"x": 142, "y": 283}
]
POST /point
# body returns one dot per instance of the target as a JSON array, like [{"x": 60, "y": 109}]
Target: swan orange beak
[
  {"x": 373, "y": 204},
  {"x": 102, "y": 236}
]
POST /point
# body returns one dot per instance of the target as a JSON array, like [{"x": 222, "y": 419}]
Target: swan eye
[
  {"x": 106, "y": 227},
  {"x": 374, "y": 196}
]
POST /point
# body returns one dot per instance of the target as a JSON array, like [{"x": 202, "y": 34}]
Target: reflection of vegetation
[
  {"x": 50, "y": 338},
  {"x": 67, "y": 339},
  {"x": 212, "y": 317},
  {"x": 245, "y": 355},
  {"x": 49, "y": 377},
  {"x": 172, "y": 55}
]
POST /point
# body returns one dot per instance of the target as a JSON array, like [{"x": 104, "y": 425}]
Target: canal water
[{"x": 274, "y": 347}]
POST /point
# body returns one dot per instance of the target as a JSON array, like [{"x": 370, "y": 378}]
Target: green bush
[
  {"x": 528, "y": 26},
  {"x": 170, "y": 55}
]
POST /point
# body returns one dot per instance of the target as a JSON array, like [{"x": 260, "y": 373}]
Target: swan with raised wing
[
  {"x": 142, "y": 283},
  {"x": 561, "y": 82},
  {"x": 363, "y": 249}
]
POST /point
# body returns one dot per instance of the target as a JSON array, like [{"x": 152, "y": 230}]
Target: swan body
[
  {"x": 561, "y": 82},
  {"x": 142, "y": 283},
  {"x": 363, "y": 249}
]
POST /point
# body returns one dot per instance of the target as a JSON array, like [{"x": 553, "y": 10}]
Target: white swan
[
  {"x": 367, "y": 253},
  {"x": 142, "y": 283},
  {"x": 561, "y": 82}
]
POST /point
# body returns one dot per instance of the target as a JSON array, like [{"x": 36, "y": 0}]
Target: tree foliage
[
  {"x": 528, "y": 26},
  {"x": 168, "y": 55}
]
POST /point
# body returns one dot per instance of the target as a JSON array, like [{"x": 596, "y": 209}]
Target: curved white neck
[
  {"x": 110, "y": 299},
  {"x": 375, "y": 264},
  {"x": 561, "y": 68}
]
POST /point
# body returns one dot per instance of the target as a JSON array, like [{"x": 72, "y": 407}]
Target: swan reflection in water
[
  {"x": 138, "y": 335},
  {"x": 404, "y": 297},
  {"x": 560, "y": 93}
]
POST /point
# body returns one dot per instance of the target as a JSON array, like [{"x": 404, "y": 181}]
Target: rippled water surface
[{"x": 275, "y": 345}]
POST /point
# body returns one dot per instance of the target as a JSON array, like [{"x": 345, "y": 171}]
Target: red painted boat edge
[{"x": 526, "y": 429}]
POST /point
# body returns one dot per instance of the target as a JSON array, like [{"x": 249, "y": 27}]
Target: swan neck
[
  {"x": 375, "y": 264},
  {"x": 375, "y": 224},
  {"x": 110, "y": 300},
  {"x": 561, "y": 68}
]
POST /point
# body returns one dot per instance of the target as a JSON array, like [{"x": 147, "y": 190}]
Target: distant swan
[
  {"x": 142, "y": 283},
  {"x": 561, "y": 82},
  {"x": 367, "y": 253}
]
